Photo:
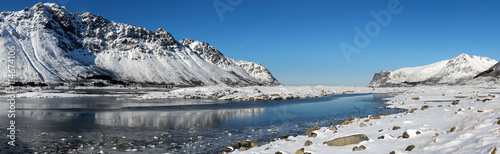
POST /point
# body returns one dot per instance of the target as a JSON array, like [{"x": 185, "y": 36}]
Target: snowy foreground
[{"x": 435, "y": 123}]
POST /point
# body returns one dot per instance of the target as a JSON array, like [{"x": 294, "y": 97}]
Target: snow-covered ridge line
[
  {"x": 448, "y": 72},
  {"x": 55, "y": 46},
  {"x": 446, "y": 119}
]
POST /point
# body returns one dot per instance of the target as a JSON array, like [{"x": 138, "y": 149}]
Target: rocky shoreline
[{"x": 447, "y": 119}]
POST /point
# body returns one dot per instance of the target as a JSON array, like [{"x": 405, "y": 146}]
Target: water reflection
[
  {"x": 184, "y": 113},
  {"x": 153, "y": 119}
]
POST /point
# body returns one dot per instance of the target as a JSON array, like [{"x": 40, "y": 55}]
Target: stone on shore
[{"x": 347, "y": 140}]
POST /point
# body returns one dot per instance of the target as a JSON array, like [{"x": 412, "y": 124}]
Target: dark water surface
[{"x": 121, "y": 124}]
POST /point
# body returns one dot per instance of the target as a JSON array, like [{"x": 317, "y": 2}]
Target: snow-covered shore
[
  {"x": 435, "y": 123},
  {"x": 252, "y": 93}
]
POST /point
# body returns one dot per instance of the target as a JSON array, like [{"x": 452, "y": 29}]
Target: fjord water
[{"x": 186, "y": 125}]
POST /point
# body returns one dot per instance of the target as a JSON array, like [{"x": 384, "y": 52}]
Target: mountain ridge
[
  {"x": 57, "y": 46},
  {"x": 447, "y": 72}
]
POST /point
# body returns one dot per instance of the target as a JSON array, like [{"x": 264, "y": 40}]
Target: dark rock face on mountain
[
  {"x": 54, "y": 45},
  {"x": 494, "y": 71},
  {"x": 492, "y": 74},
  {"x": 448, "y": 72}
]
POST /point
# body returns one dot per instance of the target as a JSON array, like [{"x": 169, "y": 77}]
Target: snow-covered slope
[
  {"x": 456, "y": 70},
  {"x": 490, "y": 75},
  {"x": 54, "y": 45}
]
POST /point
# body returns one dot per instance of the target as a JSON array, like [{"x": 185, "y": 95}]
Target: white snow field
[{"x": 437, "y": 124}]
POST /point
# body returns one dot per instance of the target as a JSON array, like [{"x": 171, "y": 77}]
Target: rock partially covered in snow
[{"x": 347, "y": 140}]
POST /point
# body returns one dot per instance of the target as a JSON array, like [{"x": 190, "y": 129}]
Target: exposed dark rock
[
  {"x": 396, "y": 128},
  {"x": 332, "y": 128},
  {"x": 360, "y": 148},
  {"x": 309, "y": 133},
  {"x": 227, "y": 149},
  {"x": 300, "y": 151},
  {"x": 406, "y": 135},
  {"x": 425, "y": 107},
  {"x": 308, "y": 143},
  {"x": 362, "y": 125},
  {"x": 243, "y": 149},
  {"x": 374, "y": 117},
  {"x": 410, "y": 148}
]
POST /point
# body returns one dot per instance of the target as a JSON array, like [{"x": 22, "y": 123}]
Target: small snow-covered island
[{"x": 81, "y": 83}]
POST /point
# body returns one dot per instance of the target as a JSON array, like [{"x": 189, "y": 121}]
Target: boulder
[
  {"x": 360, "y": 148},
  {"x": 332, "y": 128},
  {"x": 347, "y": 140},
  {"x": 410, "y": 148},
  {"x": 245, "y": 144},
  {"x": 374, "y": 117},
  {"x": 396, "y": 128},
  {"x": 254, "y": 144},
  {"x": 309, "y": 133},
  {"x": 455, "y": 102},
  {"x": 243, "y": 148},
  {"x": 228, "y": 149},
  {"x": 406, "y": 135},
  {"x": 313, "y": 135},
  {"x": 308, "y": 143},
  {"x": 425, "y": 107},
  {"x": 362, "y": 125},
  {"x": 273, "y": 140},
  {"x": 300, "y": 151},
  {"x": 347, "y": 122}
]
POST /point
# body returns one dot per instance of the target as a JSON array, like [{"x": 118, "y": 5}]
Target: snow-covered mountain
[
  {"x": 54, "y": 45},
  {"x": 456, "y": 70}
]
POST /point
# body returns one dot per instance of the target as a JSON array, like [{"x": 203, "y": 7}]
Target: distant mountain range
[
  {"x": 55, "y": 46},
  {"x": 459, "y": 70}
]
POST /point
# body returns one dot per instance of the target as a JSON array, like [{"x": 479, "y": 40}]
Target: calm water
[{"x": 179, "y": 124}]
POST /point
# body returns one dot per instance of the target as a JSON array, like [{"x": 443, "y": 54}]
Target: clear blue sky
[{"x": 298, "y": 41}]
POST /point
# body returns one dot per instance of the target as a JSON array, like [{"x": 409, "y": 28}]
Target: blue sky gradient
[{"x": 298, "y": 41}]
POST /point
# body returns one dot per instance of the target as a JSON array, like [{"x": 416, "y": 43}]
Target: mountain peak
[
  {"x": 463, "y": 55},
  {"x": 48, "y": 6},
  {"x": 461, "y": 68},
  {"x": 65, "y": 47}
]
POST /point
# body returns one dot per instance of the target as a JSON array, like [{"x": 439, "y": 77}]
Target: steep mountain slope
[
  {"x": 456, "y": 70},
  {"x": 210, "y": 53},
  {"x": 492, "y": 74},
  {"x": 53, "y": 45}
]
